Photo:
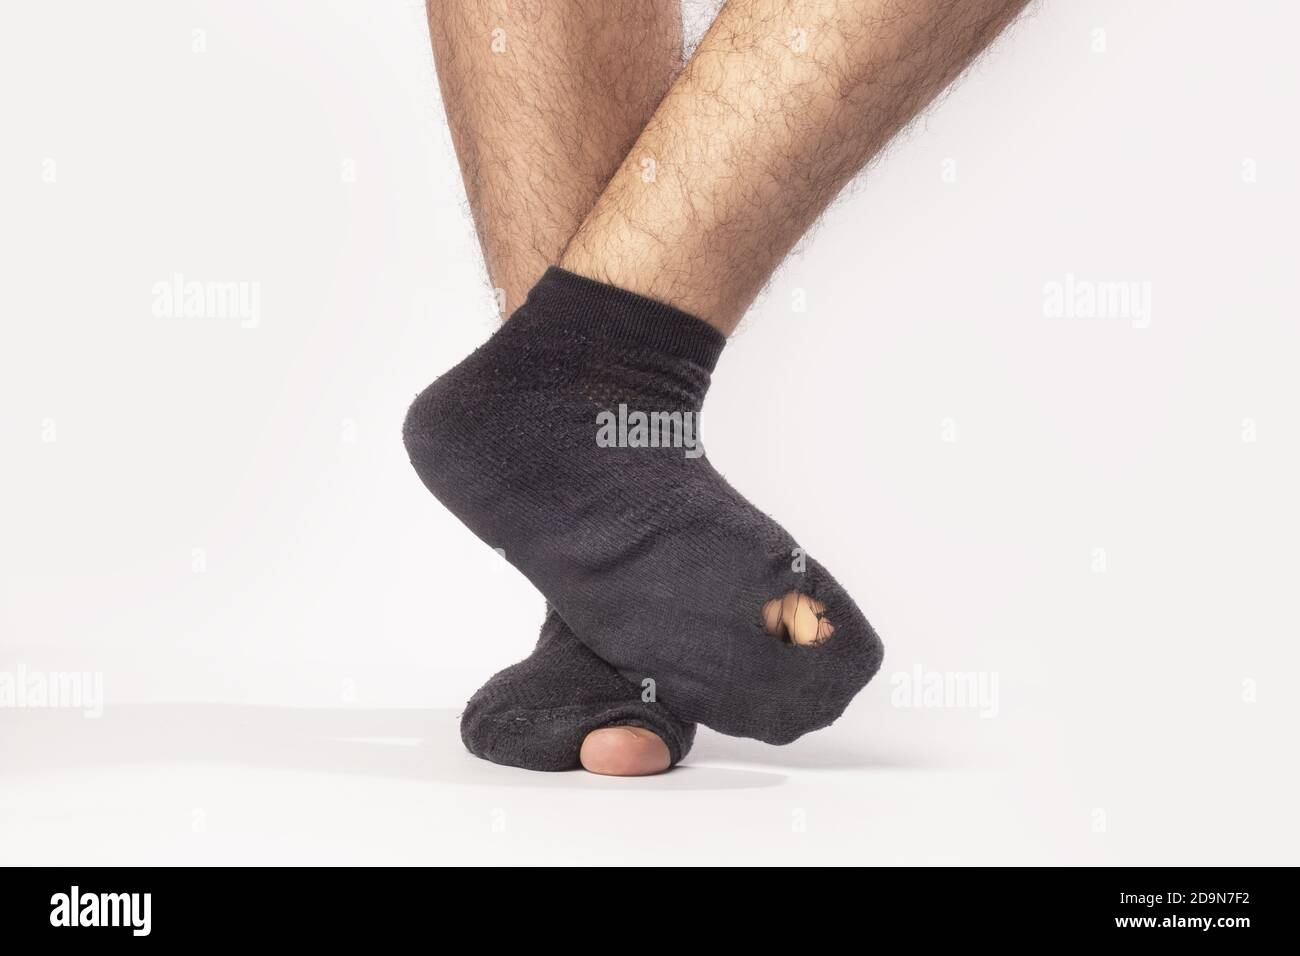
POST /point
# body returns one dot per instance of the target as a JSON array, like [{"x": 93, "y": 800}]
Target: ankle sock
[
  {"x": 570, "y": 440},
  {"x": 536, "y": 714}
]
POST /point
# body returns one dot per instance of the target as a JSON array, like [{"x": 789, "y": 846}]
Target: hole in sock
[{"x": 797, "y": 619}]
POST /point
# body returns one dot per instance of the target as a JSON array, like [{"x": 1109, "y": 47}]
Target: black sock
[
  {"x": 536, "y": 714},
  {"x": 656, "y": 563}
]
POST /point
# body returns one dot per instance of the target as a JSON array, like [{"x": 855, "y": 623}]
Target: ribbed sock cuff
[{"x": 607, "y": 314}]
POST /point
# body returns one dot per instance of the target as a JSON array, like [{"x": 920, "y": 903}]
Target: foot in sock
[
  {"x": 570, "y": 440},
  {"x": 563, "y": 707}
]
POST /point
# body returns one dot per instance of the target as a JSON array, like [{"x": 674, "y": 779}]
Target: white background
[{"x": 289, "y": 690}]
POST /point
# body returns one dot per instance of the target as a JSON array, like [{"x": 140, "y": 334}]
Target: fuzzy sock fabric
[
  {"x": 536, "y": 714},
  {"x": 570, "y": 440}
]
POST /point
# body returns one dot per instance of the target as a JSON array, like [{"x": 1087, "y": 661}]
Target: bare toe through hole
[
  {"x": 797, "y": 619},
  {"x": 624, "y": 752}
]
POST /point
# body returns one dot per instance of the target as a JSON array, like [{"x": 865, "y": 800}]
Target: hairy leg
[
  {"x": 781, "y": 105},
  {"x": 544, "y": 98}
]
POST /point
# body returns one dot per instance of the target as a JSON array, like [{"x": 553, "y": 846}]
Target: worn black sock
[
  {"x": 536, "y": 714},
  {"x": 656, "y": 563}
]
